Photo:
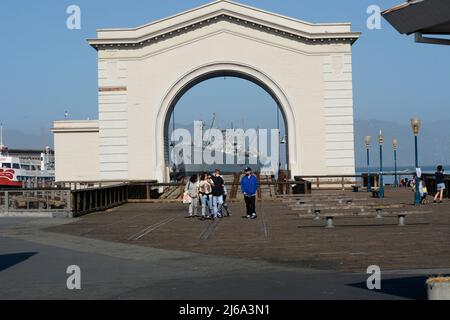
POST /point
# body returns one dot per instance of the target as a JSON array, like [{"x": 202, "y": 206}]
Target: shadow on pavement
[
  {"x": 408, "y": 288},
  {"x": 9, "y": 260}
]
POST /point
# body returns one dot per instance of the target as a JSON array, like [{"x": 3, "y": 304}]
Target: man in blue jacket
[{"x": 249, "y": 186}]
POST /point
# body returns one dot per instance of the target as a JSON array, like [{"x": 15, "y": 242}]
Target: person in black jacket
[
  {"x": 218, "y": 192},
  {"x": 440, "y": 184}
]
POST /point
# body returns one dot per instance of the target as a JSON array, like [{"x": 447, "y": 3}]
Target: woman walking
[
  {"x": 191, "y": 189},
  {"x": 205, "y": 191},
  {"x": 440, "y": 185}
]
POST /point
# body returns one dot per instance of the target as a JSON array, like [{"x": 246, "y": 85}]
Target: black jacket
[
  {"x": 217, "y": 188},
  {"x": 439, "y": 177}
]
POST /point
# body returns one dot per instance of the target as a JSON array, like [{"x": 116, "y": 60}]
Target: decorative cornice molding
[
  {"x": 304, "y": 37},
  {"x": 70, "y": 126},
  {"x": 74, "y": 130}
]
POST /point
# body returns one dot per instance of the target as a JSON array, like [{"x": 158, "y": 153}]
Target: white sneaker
[
  {"x": 249, "y": 216},
  {"x": 253, "y": 215}
]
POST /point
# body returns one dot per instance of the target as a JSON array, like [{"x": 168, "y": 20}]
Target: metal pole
[
  {"x": 369, "y": 185},
  {"x": 381, "y": 190},
  {"x": 417, "y": 193},
  {"x": 395, "y": 168},
  {"x": 416, "y": 151},
  {"x": 279, "y": 141},
  {"x": 6, "y": 201}
]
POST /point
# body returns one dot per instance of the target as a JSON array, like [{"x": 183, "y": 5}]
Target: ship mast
[
  {"x": 208, "y": 141},
  {"x": 3, "y": 149}
]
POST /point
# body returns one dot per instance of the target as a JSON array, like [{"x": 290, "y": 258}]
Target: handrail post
[
  {"x": 6, "y": 201},
  {"x": 69, "y": 200}
]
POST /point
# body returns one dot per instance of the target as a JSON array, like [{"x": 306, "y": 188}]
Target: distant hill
[{"x": 16, "y": 139}]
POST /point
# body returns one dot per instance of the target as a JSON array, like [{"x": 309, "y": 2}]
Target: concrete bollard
[
  {"x": 401, "y": 220},
  {"x": 317, "y": 212},
  {"x": 379, "y": 211},
  {"x": 329, "y": 223},
  {"x": 438, "y": 288}
]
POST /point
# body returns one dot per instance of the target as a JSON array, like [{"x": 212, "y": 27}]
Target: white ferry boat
[{"x": 22, "y": 168}]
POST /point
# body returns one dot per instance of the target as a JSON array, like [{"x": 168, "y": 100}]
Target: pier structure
[{"x": 144, "y": 71}]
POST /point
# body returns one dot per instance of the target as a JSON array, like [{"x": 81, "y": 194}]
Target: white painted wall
[
  {"x": 304, "y": 62},
  {"x": 76, "y": 158}
]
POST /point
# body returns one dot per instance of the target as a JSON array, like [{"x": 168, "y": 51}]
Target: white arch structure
[
  {"x": 144, "y": 71},
  {"x": 216, "y": 69}
]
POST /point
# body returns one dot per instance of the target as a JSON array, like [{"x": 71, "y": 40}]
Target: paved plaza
[{"x": 152, "y": 251}]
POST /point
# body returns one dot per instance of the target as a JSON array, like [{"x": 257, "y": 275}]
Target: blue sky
[{"x": 47, "y": 69}]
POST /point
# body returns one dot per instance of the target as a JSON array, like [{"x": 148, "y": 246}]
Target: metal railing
[
  {"x": 35, "y": 200},
  {"x": 80, "y": 198},
  {"x": 74, "y": 203},
  {"x": 89, "y": 200}
]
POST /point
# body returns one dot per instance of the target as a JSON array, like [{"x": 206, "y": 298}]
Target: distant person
[
  {"x": 224, "y": 206},
  {"x": 210, "y": 198},
  {"x": 440, "y": 184},
  {"x": 423, "y": 192},
  {"x": 217, "y": 193},
  {"x": 205, "y": 192},
  {"x": 225, "y": 203},
  {"x": 410, "y": 182},
  {"x": 191, "y": 189},
  {"x": 249, "y": 186},
  {"x": 404, "y": 182}
]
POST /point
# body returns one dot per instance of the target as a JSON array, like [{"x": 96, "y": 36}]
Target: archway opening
[{"x": 228, "y": 102}]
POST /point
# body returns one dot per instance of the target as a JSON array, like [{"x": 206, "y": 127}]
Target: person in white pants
[
  {"x": 205, "y": 191},
  {"x": 217, "y": 204},
  {"x": 192, "y": 190}
]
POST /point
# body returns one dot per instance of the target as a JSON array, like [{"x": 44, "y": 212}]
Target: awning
[{"x": 421, "y": 17}]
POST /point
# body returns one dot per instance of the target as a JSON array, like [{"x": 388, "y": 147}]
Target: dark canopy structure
[{"x": 421, "y": 17}]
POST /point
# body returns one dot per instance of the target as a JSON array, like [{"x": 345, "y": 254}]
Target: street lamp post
[
  {"x": 415, "y": 125},
  {"x": 381, "y": 190},
  {"x": 395, "y": 147},
  {"x": 367, "y": 142}
]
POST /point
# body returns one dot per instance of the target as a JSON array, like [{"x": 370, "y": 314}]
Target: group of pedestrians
[
  {"x": 211, "y": 192},
  {"x": 439, "y": 176}
]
